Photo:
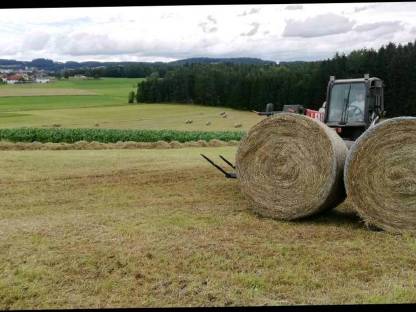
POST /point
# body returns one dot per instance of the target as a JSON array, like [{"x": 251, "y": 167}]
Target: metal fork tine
[
  {"x": 227, "y": 162},
  {"x": 214, "y": 164}
]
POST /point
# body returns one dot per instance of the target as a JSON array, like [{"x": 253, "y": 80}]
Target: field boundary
[{"x": 84, "y": 145}]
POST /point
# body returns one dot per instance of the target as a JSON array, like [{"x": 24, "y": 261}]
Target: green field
[
  {"x": 138, "y": 228},
  {"x": 108, "y": 108}
]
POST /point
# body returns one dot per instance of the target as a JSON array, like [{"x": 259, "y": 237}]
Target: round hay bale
[
  {"x": 290, "y": 166},
  {"x": 380, "y": 175}
]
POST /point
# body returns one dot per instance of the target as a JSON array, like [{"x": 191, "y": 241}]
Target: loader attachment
[{"x": 228, "y": 175}]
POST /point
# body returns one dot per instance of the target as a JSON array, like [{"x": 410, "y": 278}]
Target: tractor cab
[{"x": 353, "y": 105}]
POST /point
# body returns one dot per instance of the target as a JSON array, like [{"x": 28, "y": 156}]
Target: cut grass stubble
[{"x": 99, "y": 228}]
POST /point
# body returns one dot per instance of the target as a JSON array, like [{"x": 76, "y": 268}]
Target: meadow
[
  {"x": 152, "y": 228},
  {"x": 105, "y": 228},
  {"x": 106, "y": 107}
]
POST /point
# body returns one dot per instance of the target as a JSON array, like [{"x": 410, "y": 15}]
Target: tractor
[{"x": 351, "y": 107}]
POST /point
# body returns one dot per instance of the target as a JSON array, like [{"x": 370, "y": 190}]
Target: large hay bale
[
  {"x": 380, "y": 175},
  {"x": 290, "y": 166}
]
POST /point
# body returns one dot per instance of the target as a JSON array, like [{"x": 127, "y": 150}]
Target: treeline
[
  {"x": 155, "y": 69},
  {"x": 140, "y": 70},
  {"x": 119, "y": 69},
  {"x": 252, "y": 86}
]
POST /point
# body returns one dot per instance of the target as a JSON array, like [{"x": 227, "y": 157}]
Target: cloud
[
  {"x": 208, "y": 27},
  {"x": 380, "y": 27},
  {"x": 211, "y": 19},
  {"x": 145, "y": 33},
  {"x": 294, "y": 7},
  {"x": 252, "y": 11},
  {"x": 363, "y": 8},
  {"x": 320, "y": 25},
  {"x": 253, "y": 31},
  {"x": 83, "y": 43},
  {"x": 35, "y": 41},
  {"x": 69, "y": 21}
]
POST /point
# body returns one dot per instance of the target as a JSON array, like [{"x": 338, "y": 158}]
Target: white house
[{"x": 42, "y": 80}]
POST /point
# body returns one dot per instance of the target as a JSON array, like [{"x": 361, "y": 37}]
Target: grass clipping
[
  {"x": 290, "y": 166},
  {"x": 380, "y": 175}
]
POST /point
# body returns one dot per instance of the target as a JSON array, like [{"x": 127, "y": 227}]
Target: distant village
[{"x": 27, "y": 75}]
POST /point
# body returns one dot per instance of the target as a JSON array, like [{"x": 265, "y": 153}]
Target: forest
[{"x": 252, "y": 86}]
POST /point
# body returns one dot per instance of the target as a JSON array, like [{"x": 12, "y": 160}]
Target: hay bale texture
[
  {"x": 290, "y": 166},
  {"x": 380, "y": 175}
]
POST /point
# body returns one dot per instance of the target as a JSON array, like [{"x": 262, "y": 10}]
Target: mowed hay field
[
  {"x": 139, "y": 228},
  {"x": 102, "y": 103}
]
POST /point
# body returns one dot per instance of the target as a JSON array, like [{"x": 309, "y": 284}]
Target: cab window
[
  {"x": 348, "y": 98},
  {"x": 339, "y": 94},
  {"x": 356, "y": 102}
]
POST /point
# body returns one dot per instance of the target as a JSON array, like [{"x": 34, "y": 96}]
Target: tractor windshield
[{"x": 347, "y": 102}]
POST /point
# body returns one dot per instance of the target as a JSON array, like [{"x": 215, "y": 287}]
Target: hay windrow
[
  {"x": 290, "y": 166},
  {"x": 380, "y": 175},
  {"x": 94, "y": 145},
  {"x": 216, "y": 143},
  {"x": 176, "y": 144}
]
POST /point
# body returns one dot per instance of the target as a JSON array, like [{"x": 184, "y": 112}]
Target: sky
[{"x": 291, "y": 32}]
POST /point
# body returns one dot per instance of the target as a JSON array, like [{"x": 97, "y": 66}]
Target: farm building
[
  {"x": 42, "y": 80},
  {"x": 14, "y": 78}
]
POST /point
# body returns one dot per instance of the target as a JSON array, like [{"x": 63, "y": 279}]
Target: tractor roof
[{"x": 355, "y": 80}]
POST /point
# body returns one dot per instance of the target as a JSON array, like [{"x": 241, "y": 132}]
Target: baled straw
[
  {"x": 290, "y": 166},
  {"x": 380, "y": 175}
]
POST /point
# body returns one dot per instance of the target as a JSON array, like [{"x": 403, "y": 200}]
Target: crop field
[
  {"x": 102, "y": 103},
  {"x": 139, "y": 228},
  {"x": 65, "y": 135}
]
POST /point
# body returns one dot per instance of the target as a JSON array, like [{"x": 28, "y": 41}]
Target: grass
[
  {"x": 108, "y": 109},
  {"x": 42, "y": 92},
  {"x": 139, "y": 228}
]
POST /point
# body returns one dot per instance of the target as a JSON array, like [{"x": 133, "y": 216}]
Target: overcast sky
[{"x": 166, "y": 33}]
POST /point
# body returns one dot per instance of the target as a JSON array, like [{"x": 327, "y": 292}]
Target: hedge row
[{"x": 71, "y": 135}]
